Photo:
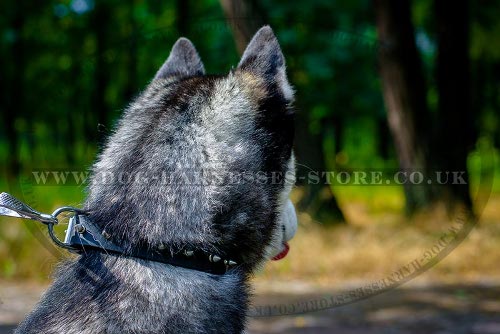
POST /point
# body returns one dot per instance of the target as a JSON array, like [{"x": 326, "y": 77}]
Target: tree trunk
[
  {"x": 404, "y": 93},
  {"x": 245, "y": 18},
  {"x": 99, "y": 117},
  {"x": 338, "y": 133},
  {"x": 14, "y": 96},
  {"x": 318, "y": 197},
  {"x": 455, "y": 130},
  {"x": 383, "y": 138},
  {"x": 182, "y": 8},
  {"x": 130, "y": 88},
  {"x": 74, "y": 117}
]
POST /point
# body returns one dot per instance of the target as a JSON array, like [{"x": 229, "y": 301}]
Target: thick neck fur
[
  {"x": 101, "y": 293},
  {"x": 205, "y": 129}
]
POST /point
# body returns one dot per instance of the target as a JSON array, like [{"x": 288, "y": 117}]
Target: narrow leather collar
[{"x": 82, "y": 235}]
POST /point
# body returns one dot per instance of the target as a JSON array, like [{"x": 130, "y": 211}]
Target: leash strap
[{"x": 12, "y": 207}]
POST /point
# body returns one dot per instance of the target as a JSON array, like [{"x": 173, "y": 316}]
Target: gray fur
[
  {"x": 183, "y": 61},
  {"x": 183, "y": 121}
]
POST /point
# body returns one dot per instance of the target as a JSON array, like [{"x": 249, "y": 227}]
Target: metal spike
[
  {"x": 214, "y": 258},
  {"x": 188, "y": 252},
  {"x": 229, "y": 262},
  {"x": 106, "y": 235}
]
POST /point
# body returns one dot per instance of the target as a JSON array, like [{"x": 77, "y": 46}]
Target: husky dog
[{"x": 184, "y": 123}]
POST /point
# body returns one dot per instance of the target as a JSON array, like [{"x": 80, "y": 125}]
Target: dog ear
[
  {"x": 263, "y": 57},
  {"x": 183, "y": 61}
]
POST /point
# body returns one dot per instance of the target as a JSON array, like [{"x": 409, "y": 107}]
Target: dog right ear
[
  {"x": 263, "y": 57},
  {"x": 183, "y": 61}
]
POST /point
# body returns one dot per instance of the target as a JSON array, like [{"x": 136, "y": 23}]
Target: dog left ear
[
  {"x": 183, "y": 61},
  {"x": 263, "y": 57}
]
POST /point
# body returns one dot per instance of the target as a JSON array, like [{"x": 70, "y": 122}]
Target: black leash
[{"x": 81, "y": 234}]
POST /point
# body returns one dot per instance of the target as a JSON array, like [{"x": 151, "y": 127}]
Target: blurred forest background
[{"x": 380, "y": 85}]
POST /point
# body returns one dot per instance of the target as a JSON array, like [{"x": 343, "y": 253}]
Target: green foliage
[{"x": 331, "y": 49}]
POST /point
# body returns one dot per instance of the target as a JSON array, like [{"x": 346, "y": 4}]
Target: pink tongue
[{"x": 283, "y": 253}]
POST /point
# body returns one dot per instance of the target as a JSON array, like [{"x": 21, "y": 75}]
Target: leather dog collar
[{"x": 82, "y": 235}]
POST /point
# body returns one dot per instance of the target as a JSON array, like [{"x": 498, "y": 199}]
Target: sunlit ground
[{"x": 379, "y": 242}]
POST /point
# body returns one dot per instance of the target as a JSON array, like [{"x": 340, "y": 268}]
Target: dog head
[{"x": 203, "y": 162}]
